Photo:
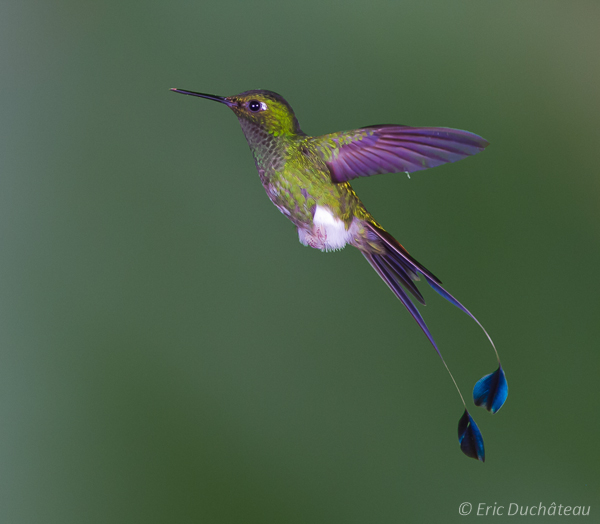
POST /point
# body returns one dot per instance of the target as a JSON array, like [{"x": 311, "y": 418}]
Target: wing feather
[{"x": 393, "y": 149}]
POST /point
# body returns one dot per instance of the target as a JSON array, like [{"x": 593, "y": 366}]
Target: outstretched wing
[{"x": 393, "y": 149}]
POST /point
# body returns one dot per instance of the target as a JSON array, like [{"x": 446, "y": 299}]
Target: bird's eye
[{"x": 255, "y": 105}]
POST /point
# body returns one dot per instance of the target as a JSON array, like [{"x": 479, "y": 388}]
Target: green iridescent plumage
[{"x": 291, "y": 164}]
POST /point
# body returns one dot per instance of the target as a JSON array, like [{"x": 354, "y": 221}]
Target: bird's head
[{"x": 264, "y": 109}]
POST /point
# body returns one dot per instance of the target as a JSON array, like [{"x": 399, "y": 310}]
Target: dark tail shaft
[{"x": 398, "y": 269}]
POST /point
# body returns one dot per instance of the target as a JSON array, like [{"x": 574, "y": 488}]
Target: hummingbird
[{"x": 308, "y": 180}]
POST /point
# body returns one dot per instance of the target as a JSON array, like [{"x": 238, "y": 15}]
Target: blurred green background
[{"x": 169, "y": 352}]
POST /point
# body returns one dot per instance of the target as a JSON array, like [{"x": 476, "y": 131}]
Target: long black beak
[{"x": 221, "y": 99}]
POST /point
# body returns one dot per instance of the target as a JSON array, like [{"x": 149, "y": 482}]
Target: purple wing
[{"x": 394, "y": 149}]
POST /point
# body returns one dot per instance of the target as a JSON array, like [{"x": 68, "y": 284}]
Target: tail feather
[
  {"x": 385, "y": 265},
  {"x": 397, "y": 252},
  {"x": 398, "y": 270},
  {"x": 403, "y": 264},
  {"x": 401, "y": 273},
  {"x": 390, "y": 276}
]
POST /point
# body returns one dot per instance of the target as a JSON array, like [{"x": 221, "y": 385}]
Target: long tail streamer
[{"x": 399, "y": 271}]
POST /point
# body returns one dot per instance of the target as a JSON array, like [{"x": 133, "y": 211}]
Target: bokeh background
[{"x": 169, "y": 352}]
